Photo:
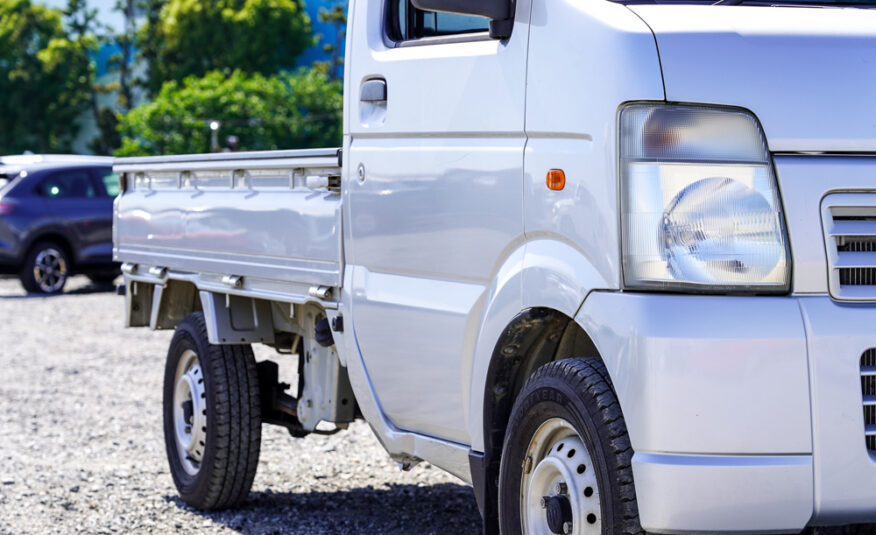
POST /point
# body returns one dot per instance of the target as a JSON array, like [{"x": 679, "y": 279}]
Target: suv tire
[{"x": 46, "y": 269}]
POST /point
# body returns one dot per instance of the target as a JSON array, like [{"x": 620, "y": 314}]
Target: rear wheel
[
  {"x": 45, "y": 269},
  {"x": 566, "y": 459},
  {"x": 103, "y": 278},
  {"x": 212, "y": 417}
]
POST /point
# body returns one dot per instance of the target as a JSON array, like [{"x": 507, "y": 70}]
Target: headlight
[{"x": 699, "y": 201}]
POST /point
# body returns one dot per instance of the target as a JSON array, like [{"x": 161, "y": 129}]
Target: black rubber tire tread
[
  {"x": 587, "y": 393},
  {"x": 233, "y": 441},
  {"x": 102, "y": 279},
  {"x": 25, "y": 274},
  {"x": 859, "y": 529}
]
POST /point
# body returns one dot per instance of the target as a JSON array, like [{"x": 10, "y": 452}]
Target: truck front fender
[{"x": 546, "y": 274}]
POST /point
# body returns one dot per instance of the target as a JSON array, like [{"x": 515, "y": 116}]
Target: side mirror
[{"x": 501, "y": 12}]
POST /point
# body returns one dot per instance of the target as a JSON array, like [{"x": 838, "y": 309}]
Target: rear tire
[
  {"x": 212, "y": 417},
  {"x": 103, "y": 279},
  {"x": 46, "y": 269},
  {"x": 567, "y": 442}
]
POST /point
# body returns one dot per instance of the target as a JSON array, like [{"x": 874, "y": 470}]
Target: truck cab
[{"x": 612, "y": 263}]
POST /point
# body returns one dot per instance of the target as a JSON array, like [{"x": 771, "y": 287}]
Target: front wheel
[
  {"x": 212, "y": 417},
  {"x": 566, "y": 460},
  {"x": 45, "y": 269}
]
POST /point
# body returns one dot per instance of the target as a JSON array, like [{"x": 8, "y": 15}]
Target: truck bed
[{"x": 261, "y": 219}]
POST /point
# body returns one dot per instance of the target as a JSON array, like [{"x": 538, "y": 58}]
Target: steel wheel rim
[
  {"x": 50, "y": 270},
  {"x": 557, "y": 455},
  {"x": 190, "y": 421}
]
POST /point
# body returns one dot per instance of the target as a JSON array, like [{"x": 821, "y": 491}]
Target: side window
[
  {"x": 407, "y": 23},
  {"x": 110, "y": 182},
  {"x": 68, "y": 185}
]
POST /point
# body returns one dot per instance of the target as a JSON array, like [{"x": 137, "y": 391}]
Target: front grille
[
  {"x": 856, "y": 276},
  {"x": 868, "y": 391},
  {"x": 850, "y": 232}
]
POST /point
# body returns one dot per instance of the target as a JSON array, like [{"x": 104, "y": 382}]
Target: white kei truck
[{"x": 613, "y": 263}]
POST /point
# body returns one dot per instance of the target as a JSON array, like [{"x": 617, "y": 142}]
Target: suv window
[
  {"x": 110, "y": 181},
  {"x": 68, "y": 185},
  {"x": 407, "y": 23}
]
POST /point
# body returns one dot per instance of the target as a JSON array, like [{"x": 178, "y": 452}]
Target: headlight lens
[{"x": 700, "y": 205}]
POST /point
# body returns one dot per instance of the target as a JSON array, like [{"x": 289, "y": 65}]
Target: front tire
[
  {"x": 566, "y": 461},
  {"x": 46, "y": 269},
  {"x": 212, "y": 417}
]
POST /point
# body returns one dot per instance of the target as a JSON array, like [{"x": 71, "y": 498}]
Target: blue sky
[{"x": 104, "y": 7}]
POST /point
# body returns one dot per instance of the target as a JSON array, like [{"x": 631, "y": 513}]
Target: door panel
[
  {"x": 412, "y": 331},
  {"x": 108, "y": 187},
  {"x": 74, "y": 201},
  {"x": 436, "y": 208}
]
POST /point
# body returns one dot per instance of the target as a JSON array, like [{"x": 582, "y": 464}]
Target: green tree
[
  {"x": 336, "y": 16},
  {"x": 123, "y": 85},
  {"x": 85, "y": 35},
  {"x": 150, "y": 44},
  {"x": 123, "y": 61},
  {"x": 44, "y": 82},
  {"x": 285, "y": 111},
  {"x": 194, "y": 37}
]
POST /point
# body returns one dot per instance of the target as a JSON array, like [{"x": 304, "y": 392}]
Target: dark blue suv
[{"x": 56, "y": 220}]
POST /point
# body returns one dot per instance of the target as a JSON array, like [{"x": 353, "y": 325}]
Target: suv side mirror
[{"x": 501, "y": 12}]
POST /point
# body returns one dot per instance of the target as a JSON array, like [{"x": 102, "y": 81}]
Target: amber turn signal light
[{"x": 556, "y": 179}]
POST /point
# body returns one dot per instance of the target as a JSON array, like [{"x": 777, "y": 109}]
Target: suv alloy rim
[
  {"x": 190, "y": 412},
  {"x": 559, "y": 492},
  {"x": 50, "y": 270}
]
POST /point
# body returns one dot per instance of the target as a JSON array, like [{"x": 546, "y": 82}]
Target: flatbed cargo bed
[{"x": 266, "y": 220}]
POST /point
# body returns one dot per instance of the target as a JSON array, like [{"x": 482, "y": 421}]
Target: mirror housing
[{"x": 501, "y": 12}]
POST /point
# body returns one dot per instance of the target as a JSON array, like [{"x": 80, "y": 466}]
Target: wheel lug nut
[
  {"x": 561, "y": 488},
  {"x": 544, "y": 501},
  {"x": 188, "y": 430},
  {"x": 567, "y": 527}
]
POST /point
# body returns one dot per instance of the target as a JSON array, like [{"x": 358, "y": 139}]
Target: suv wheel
[{"x": 45, "y": 269}]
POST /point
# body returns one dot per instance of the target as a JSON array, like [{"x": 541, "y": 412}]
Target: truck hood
[{"x": 808, "y": 73}]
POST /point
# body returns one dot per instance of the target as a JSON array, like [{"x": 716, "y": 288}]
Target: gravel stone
[{"x": 82, "y": 448}]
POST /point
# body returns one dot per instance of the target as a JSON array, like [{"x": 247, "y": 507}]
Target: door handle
[{"x": 373, "y": 91}]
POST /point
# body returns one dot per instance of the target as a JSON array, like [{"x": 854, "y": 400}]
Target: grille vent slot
[
  {"x": 868, "y": 391},
  {"x": 850, "y": 234},
  {"x": 852, "y": 243}
]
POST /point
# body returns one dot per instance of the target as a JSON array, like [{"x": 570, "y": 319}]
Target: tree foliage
[
  {"x": 285, "y": 111},
  {"x": 181, "y": 38},
  {"x": 333, "y": 45},
  {"x": 202, "y": 60},
  {"x": 122, "y": 62},
  {"x": 45, "y": 77}
]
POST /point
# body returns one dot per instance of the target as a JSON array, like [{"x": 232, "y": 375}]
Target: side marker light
[{"x": 556, "y": 179}]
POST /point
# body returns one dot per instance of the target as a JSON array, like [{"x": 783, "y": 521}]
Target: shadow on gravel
[
  {"x": 401, "y": 509},
  {"x": 83, "y": 290}
]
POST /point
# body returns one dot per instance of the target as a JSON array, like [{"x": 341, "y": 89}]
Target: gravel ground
[{"x": 81, "y": 447}]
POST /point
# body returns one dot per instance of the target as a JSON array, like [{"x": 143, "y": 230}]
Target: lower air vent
[{"x": 868, "y": 390}]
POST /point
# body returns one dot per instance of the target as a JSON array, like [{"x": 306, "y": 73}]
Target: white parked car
[{"x": 612, "y": 263}]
